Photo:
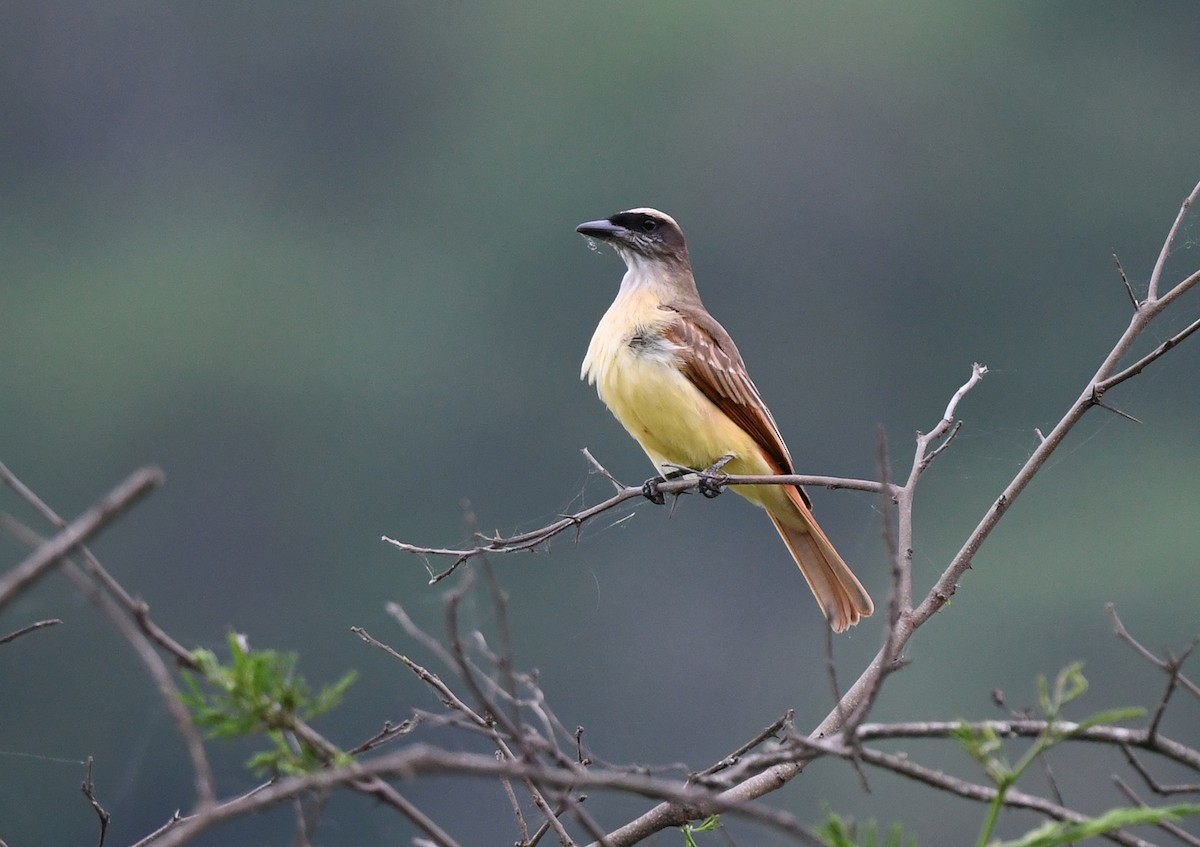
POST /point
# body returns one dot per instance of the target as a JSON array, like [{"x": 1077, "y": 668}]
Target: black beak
[{"x": 604, "y": 230}]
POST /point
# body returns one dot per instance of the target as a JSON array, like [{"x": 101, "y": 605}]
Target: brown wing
[{"x": 712, "y": 362}]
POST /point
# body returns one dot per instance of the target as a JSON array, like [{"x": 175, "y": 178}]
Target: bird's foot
[
  {"x": 651, "y": 491},
  {"x": 712, "y": 480}
]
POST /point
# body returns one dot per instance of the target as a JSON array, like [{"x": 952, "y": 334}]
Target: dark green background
[{"x": 318, "y": 262}]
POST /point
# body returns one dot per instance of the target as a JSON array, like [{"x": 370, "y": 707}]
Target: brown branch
[
  {"x": 1141, "y": 364},
  {"x": 1174, "y": 665},
  {"x": 376, "y": 787},
  {"x": 537, "y": 538},
  {"x": 1116, "y": 736},
  {"x": 86, "y": 582},
  {"x": 1166, "y": 826},
  {"x": 1172, "y": 234},
  {"x": 1014, "y": 798},
  {"x": 1124, "y": 279},
  {"x": 772, "y": 731},
  {"x": 666, "y": 815},
  {"x": 25, "y": 630},
  {"x": 390, "y": 732},
  {"x": 104, "y": 512},
  {"x": 453, "y": 701},
  {"x": 1122, "y": 633},
  {"x": 1162, "y": 789},
  {"x": 420, "y": 759},
  {"x": 89, "y": 791},
  {"x": 201, "y": 771}
]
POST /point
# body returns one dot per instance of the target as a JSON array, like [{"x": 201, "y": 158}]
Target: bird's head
[{"x": 639, "y": 235}]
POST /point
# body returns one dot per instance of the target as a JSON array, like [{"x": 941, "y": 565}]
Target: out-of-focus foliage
[
  {"x": 258, "y": 692},
  {"x": 318, "y": 261}
]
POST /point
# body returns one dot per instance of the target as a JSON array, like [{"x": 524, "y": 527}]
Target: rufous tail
[{"x": 839, "y": 593}]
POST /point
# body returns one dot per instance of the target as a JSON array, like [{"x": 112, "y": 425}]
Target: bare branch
[
  {"x": 420, "y": 759},
  {"x": 1128, "y": 288},
  {"x": 1173, "y": 667},
  {"x": 1122, "y": 633},
  {"x": 1172, "y": 234},
  {"x": 540, "y": 537},
  {"x": 1141, "y": 364},
  {"x": 25, "y": 630},
  {"x": 453, "y": 701},
  {"x": 89, "y": 791},
  {"x": 376, "y": 787},
  {"x": 772, "y": 731},
  {"x": 1177, "y": 831},
  {"x": 201, "y": 771},
  {"x": 902, "y": 765},
  {"x": 111, "y": 506},
  {"x": 1162, "y": 789},
  {"x": 769, "y": 780},
  {"x": 86, "y": 583},
  {"x": 1030, "y": 728}
]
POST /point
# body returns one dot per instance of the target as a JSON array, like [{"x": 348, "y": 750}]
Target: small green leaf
[
  {"x": 259, "y": 693},
  {"x": 836, "y": 831},
  {"x": 709, "y": 824},
  {"x": 1056, "y": 834}
]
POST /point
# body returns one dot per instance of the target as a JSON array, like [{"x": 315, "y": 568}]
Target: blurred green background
[{"x": 318, "y": 262}]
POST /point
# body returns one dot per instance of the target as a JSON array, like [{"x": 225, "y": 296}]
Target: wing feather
[{"x": 712, "y": 362}]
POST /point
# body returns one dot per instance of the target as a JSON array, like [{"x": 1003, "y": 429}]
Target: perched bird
[{"x": 674, "y": 379}]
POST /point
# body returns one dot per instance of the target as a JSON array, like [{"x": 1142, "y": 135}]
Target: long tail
[{"x": 838, "y": 591}]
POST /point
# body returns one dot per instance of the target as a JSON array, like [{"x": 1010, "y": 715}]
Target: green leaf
[
  {"x": 709, "y": 824},
  {"x": 836, "y": 831},
  {"x": 1056, "y": 833},
  {"x": 259, "y": 693}
]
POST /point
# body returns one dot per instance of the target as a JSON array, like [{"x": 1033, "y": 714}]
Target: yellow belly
[
  {"x": 660, "y": 407},
  {"x": 677, "y": 425}
]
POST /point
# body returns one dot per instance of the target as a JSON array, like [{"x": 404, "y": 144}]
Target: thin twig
[
  {"x": 537, "y": 538},
  {"x": 1122, "y": 633},
  {"x": 1128, "y": 288},
  {"x": 135, "y": 636},
  {"x": 902, "y": 765},
  {"x": 453, "y": 701},
  {"x": 1174, "y": 664},
  {"x": 1140, "y": 365},
  {"x": 25, "y": 630},
  {"x": 420, "y": 759},
  {"x": 506, "y": 783},
  {"x": 106, "y": 510},
  {"x": 1169, "y": 243},
  {"x": 390, "y": 732},
  {"x": 376, "y": 787},
  {"x": 1177, "y": 831},
  {"x": 201, "y": 770},
  {"x": 89, "y": 791},
  {"x": 771, "y": 731},
  {"x": 901, "y": 569},
  {"x": 1160, "y": 788}
]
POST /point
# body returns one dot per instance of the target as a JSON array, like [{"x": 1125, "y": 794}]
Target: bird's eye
[{"x": 649, "y": 224}]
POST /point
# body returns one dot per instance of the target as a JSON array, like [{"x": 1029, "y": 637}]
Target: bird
[{"x": 672, "y": 376}]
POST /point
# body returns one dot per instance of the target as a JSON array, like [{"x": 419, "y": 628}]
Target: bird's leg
[
  {"x": 712, "y": 481},
  {"x": 650, "y": 487}
]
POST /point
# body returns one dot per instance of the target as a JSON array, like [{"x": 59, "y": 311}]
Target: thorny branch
[
  {"x": 537, "y": 755},
  {"x": 111, "y": 506},
  {"x": 541, "y": 537},
  {"x": 666, "y": 815}
]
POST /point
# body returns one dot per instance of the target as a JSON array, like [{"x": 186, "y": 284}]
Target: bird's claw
[
  {"x": 710, "y": 486},
  {"x": 712, "y": 480},
  {"x": 650, "y": 491}
]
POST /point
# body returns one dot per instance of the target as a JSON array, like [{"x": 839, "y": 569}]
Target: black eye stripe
[{"x": 639, "y": 222}]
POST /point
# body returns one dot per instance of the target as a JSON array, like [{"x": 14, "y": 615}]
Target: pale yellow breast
[{"x": 659, "y": 406}]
